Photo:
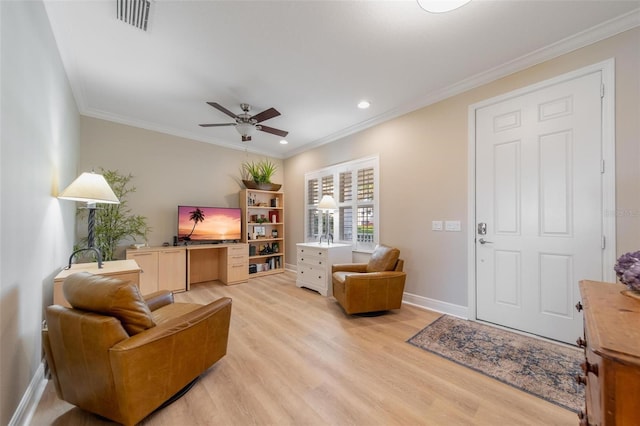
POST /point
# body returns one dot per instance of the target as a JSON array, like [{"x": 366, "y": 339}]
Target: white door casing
[{"x": 540, "y": 188}]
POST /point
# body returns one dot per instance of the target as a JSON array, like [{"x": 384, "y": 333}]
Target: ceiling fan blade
[
  {"x": 246, "y": 138},
  {"x": 271, "y": 130},
  {"x": 217, "y": 125},
  {"x": 265, "y": 115},
  {"x": 222, "y": 109}
]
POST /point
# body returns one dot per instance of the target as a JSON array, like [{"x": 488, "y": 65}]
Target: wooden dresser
[{"x": 612, "y": 351}]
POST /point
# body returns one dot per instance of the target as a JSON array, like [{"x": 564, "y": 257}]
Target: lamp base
[
  {"x": 328, "y": 237},
  {"x": 94, "y": 249}
]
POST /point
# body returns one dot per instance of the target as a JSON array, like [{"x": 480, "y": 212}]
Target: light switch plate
[
  {"x": 452, "y": 225},
  {"x": 436, "y": 225}
]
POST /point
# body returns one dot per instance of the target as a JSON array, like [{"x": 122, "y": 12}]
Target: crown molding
[
  {"x": 155, "y": 127},
  {"x": 584, "y": 38},
  {"x": 592, "y": 35}
]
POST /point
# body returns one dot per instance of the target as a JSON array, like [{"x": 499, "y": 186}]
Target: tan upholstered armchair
[
  {"x": 121, "y": 356},
  {"x": 370, "y": 287}
]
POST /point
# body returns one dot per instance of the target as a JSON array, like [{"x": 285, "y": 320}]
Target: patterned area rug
[{"x": 543, "y": 369}]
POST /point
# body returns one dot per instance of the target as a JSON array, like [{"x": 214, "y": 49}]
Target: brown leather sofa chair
[
  {"x": 121, "y": 356},
  {"x": 370, "y": 287}
]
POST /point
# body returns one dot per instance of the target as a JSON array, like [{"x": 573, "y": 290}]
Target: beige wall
[
  {"x": 423, "y": 162},
  {"x": 39, "y": 140},
  {"x": 168, "y": 171}
]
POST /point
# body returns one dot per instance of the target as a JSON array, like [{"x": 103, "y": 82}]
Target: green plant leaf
[{"x": 115, "y": 222}]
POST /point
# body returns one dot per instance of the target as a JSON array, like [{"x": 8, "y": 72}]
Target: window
[{"x": 354, "y": 186}]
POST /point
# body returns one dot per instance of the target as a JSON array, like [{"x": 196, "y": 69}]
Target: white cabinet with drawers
[{"x": 314, "y": 262}]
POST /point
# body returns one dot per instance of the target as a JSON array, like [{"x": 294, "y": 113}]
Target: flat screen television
[{"x": 198, "y": 224}]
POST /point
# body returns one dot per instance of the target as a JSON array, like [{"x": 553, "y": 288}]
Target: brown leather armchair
[
  {"x": 370, "y": 287},
  {"x": 121, "y": 356}
]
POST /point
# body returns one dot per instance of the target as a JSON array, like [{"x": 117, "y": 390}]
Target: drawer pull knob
[
  {"x": 587, "y": 368},
  {"x": 581, "y": 379},
  {"x": 581, "y": 342},
  {"x": 579, "y": 306}
]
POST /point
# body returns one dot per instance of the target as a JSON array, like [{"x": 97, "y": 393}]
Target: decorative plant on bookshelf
[
  {"x": 258, "y": 174},
  {"x": 114, "y": 222}
]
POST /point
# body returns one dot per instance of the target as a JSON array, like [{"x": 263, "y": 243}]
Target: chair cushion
[
  {"x": 383, "y": 258},
  {"x": 341, "y": 276},
  {"x": 173, "y": 310},
  {"x": 109, "y": 296}
]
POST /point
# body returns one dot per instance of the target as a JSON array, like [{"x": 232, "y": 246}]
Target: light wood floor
[{"x": 295, "y": 358}]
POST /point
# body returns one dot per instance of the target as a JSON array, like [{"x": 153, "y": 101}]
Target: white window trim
[{"x": 335, "y": 170}]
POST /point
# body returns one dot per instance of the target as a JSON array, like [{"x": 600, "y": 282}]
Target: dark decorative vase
[{"x": 250, "y": 184}]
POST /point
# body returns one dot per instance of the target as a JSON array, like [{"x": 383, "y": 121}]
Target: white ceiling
[{"x": 311, "y": 60}]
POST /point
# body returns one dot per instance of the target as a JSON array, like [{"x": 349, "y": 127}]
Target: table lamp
[
  {"x": 327, "y": 204},
  {"x": 91, "y": 188}
]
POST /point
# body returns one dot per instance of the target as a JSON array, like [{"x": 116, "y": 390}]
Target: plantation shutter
[
  {"x": 365, "y": 215},
  {"x": 313, "y": 198},
  {"x": 354, "y": 187},
  {"x": 346, "y": 210}
]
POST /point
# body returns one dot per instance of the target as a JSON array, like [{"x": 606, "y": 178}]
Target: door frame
[{"x": 607, "y": 68}]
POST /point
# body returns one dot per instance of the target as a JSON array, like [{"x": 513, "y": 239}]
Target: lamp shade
[
  {"x": 441, "y": 6},
  {"x": 90, "y": 188},
  {"x": 245, "y": 129},
  {"x": 327, "y": 203}
]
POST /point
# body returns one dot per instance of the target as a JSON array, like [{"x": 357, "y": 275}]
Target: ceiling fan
[{"x": 246, "y": 124}]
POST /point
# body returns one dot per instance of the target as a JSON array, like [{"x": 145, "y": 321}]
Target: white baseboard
[
  {"x": 293, "y": 267},
  {"x": 23, "y": 414},
  {"x": 436, "y": 305},
  {"x": 420, "y": 301}
]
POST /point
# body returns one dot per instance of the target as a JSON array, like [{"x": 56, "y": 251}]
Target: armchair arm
[
  {"x": 158, "y": 299},
  {"x": 153, "y": 365},
  {"x": 349, "y": 267},
  {"x": 220, "y": 307},
  {"x": 374, "y": 276}
]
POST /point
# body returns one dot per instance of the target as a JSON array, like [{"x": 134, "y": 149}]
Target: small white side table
[{"x": 314, "y": 262}]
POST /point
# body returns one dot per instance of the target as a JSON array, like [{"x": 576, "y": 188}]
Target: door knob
[{"x": 483, "y": 241}]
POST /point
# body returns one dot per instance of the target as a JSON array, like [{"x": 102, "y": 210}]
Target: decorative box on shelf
[{"x": 314, "y": 262}]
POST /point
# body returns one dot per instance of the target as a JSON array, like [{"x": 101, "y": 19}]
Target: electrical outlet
[
  {"x": 452, "y": 225},
  {"x": 436, "y": 225}
]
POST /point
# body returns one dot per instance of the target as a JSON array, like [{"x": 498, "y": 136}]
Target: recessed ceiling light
[
  {"x": 283, "y": 142},
  {"x": 364, "y": 104}
]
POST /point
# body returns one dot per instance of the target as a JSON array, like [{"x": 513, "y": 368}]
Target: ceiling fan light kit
[
  {"x": 245, "y": 124},
  {"x": 441, "y": 6}
]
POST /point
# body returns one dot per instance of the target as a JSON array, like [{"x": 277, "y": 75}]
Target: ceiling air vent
[{"x": 134, "y": 12}]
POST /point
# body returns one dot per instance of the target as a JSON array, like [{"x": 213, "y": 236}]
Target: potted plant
[
  {"x": 115, "y": 222},
  {"x": 258, "y": 174}
]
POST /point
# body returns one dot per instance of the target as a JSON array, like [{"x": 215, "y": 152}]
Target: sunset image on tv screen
[{"x": 208, "y": 223}]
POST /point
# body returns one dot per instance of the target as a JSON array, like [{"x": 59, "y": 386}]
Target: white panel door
[{"x": 538, "y": 190}]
